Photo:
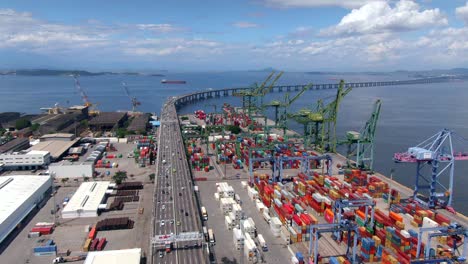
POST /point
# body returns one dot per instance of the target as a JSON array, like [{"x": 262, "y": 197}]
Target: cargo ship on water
[{"x": 173, "y": 81}]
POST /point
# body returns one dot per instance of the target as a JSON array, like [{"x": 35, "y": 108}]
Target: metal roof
[
  {"x": 12, "y": 144},
  {"x": 87, "y": 198},
  {"x": 124, "y": 256},
  {"x": 55, "y": 147},
  {"x": 16, "y": 190}
]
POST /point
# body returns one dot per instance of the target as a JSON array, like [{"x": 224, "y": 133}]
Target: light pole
[{"x": 389, "y": 188}]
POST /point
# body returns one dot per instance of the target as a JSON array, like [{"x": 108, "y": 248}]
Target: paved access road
[{"x": 174, "y": 195}]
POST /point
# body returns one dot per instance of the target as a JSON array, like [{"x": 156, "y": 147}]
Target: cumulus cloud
[
  {"x": 244, "y": 24},
  {"x": 378, "y": 17},
  {"x": 23, "y": 32},
  {"x": 462, "y": 13},
  {"x": 316, "y": 3}
]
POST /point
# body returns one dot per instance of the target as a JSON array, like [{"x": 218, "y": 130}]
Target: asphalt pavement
[{"x": 175, "y": 208}]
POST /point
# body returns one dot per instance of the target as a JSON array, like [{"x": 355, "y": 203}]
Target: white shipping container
[
  {"x": 266, "y": 216},
  {"x": 228, "y": 222},
  {"x": 244, "y": 184}
]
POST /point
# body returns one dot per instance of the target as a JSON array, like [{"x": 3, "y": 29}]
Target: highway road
[{"x": 175, "y": 208}]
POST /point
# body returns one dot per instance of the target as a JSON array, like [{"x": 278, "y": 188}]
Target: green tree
[
  {"x": 2, "y": 131},
  {"x": 35, "y": 126},
  {"x": 22, "y": 123},
  {"x": 85, "y": 179},
  {"x": 119, "y": 177},
  {"x": 233, "y": 129},
  {"x": 64, "y": 180},
  {"x": 84, "y": 123},
  {"x": 152, "y": 176},
  {"x": 121, "y": 132}
]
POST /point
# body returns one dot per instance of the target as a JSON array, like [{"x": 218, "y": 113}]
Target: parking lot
[{"x": 70, "y": 234}]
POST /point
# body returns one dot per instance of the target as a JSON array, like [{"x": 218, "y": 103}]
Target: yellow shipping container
[
  {"x": 341, "y": 259},
  {"x": 87, "y": 244},
  {"x": 413, "y": 223},
  {"x": 377, "y": 241}
]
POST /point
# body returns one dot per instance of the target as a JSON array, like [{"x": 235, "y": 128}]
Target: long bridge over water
[{"x": 215, "y": 93}]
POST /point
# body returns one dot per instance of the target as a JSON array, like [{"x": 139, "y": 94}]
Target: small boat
[{"x": 172, "y": 81}]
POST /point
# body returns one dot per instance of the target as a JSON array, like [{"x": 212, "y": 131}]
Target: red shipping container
[{"x": 101, "y": 244}]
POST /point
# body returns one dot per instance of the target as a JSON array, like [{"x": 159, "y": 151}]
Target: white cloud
[
  {"x": 158, "y": 28},
  {"x": 317, "y": 3},
  {"x": 244, "y": 24},
  {"x": 462, "y": 13},
  {"x": 378, "y": 17}
]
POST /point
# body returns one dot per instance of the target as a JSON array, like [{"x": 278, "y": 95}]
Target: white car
[
  {"x": 162, "y": 223},
  {"x": 163, "y": 207}
]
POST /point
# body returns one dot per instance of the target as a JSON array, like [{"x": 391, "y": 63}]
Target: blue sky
[{"x": 294, "y": 35}]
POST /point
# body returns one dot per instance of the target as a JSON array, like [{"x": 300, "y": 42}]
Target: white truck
[
  {"x": 262, "y": 242},
  {"x": 228, "y": 222}
]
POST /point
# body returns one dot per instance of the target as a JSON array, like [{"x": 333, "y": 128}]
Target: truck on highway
[
  {"x": 205, "y": 232},
  {"x": 262, "y": 242},
  {"x": 168, "y": 246},
  {"x": 211, "y": 237},
  {"x": 204, "y": 214}
]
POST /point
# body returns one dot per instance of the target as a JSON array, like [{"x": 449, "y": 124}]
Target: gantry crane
[
  {"x": 320, "y": 123},
  {"x": 133, "y": 99},
  {"x": 306, "y": 118},
  {"x": 457, "y": 232},
  {"x": 361, "y": 144},
  {"x": 434, "y": 152},
  {"x": 344, "y": 226},
  {"x": 281, "y": 120},
  {"x": 92, "y": 107},
  {"x": 330, "y": 112},
  {"x": 250, "y": 96}
]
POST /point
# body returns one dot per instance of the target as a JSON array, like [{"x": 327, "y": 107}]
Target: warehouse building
[
  {"x": 124, "y": 256},
  {"x": 16, "y": 144},
  {"x": 19, "y": 196},
  {"x": 25, "y": 160},
  {"x": 56, "y": 144},
  {"x": 108, "y": 120},
  {"x": 86, "y": 200},
  {"x": 72, "y": 170}
]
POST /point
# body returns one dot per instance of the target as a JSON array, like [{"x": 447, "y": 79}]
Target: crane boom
[{"x": 83, "y": 94}]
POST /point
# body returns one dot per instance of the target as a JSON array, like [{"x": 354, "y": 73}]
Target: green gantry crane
[
  {"x": 250, "y": 96},
  {"x": 361, "y": 144},
  {"x": 281, "y": 120},
  {"x": 320, "y": 124},
  {"x": 331, "y": 116}
]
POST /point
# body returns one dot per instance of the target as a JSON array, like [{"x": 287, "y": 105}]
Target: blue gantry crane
[
  {"x": 438, "y": 154},
  {"x": 455, "y": 231},
  {"x": 316, "y": 232},
  {"x": 340, "y": 204}
]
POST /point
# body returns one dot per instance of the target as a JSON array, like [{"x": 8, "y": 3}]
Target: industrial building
[
  {"x": 56, "y": 144},
  {"x": 58, "y": 137},
  {"x": 25, "y": 160},
  {"x": 66, "y": 169},
  {"x": 19, "y": 196},
  {"x": 16, "y": 144},
  {"x": 139, "y": 123},
  {"x": 108, "y": 120},
  {"x": 86, "y": 200},
  {"x": 124, "y": 256}
]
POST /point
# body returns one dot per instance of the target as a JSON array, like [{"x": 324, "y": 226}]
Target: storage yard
[
  {"x": 69, "y": 234},
  {"x": 311, "y": 205}
]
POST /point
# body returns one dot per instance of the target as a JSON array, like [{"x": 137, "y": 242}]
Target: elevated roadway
[{"x": 175, "y": 210}]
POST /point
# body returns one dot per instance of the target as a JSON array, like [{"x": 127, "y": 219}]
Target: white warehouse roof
[
  {"x": 86, "y": 200},
  {"x": 18, "y": 197},
  {"x": 124, "y": 256}
]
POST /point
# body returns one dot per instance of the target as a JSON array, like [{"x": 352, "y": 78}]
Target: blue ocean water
[{"x": 410, "y": 113}]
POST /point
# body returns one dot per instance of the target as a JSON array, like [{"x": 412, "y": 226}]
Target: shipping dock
[{"x": 271, "y": 195}]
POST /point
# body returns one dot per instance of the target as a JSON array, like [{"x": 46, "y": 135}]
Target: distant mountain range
[
  {"x": 47, "y": 72},
  {"x": 411, "y": 74}
]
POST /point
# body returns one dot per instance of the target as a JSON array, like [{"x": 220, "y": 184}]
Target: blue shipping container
[{"x": 299, "y": 256}]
